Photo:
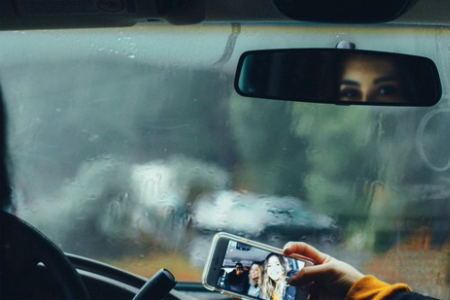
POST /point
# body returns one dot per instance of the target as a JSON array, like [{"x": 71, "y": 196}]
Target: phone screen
[{"x": 257, "y": 273}]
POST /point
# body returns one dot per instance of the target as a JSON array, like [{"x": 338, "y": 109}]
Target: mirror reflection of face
[
  {"x": 275, "y": 269},
  {"x": 254, "y": 272},
  {"x": 371, "y": 80}
]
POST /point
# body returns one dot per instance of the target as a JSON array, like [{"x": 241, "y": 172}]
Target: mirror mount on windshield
[
  {"x": 346, "y": 45},
  {"x": 339, "y": 76}
]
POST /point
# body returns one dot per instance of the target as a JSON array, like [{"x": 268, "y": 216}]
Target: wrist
[{"x": 369, "y": 287}]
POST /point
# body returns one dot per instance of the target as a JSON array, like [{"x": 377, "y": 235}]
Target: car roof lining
[{"x": 423, "y": 13}]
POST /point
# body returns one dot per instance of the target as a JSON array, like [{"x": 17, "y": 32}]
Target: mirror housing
[
  {"x": 344, "y": 11},
  {"x": 339, "y": 76}
]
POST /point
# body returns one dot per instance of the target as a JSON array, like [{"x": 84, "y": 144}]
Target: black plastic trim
[{"x": 94, "y": 266}]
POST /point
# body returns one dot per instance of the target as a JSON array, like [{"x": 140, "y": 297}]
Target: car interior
[{"x": 133, "y": 131}]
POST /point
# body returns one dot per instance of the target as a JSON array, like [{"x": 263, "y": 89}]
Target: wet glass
[{"x": 131, "y": 147}]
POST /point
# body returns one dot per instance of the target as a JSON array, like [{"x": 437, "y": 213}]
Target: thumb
[{"x": 311, "y": 273}]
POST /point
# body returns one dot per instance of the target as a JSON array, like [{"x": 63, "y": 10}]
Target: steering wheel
[{"x": 22, "y": 248}]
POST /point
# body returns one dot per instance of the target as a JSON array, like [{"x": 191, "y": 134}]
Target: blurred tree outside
[{"x": 271, "y": 157}]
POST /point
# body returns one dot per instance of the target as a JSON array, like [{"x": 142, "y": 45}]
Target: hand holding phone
[
  {"x": 248, "y": 269},
  {"x": 332, "y": 278}
]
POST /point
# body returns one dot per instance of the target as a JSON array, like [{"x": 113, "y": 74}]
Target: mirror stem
[{"x": 345, "y": 45}]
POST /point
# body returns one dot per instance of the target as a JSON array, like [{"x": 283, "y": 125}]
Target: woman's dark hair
[{"x": 402, "y": 67}]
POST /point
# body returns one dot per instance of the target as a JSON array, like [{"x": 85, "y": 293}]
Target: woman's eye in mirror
[
  {"x": 388, "y": 90},
  {"x": 389, "y": 93},
  {"x": 349, "y": 94}
]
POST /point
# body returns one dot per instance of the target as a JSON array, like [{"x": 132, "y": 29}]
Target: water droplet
[
  {"x": 168, "y": 211},
  {"x": 94, "y": 138}
]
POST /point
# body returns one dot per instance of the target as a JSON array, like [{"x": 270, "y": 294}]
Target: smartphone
[{"x": 251, "y": 270}]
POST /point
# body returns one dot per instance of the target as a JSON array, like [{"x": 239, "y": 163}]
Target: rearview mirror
[{"x": 339, "y": 76}]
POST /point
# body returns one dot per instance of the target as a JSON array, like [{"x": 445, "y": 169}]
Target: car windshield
[{"x": 130, "y": 146}]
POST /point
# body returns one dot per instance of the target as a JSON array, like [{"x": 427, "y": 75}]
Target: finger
[
  {"x": 305, "y": 250},
  {"x": 308, "y": 274}
]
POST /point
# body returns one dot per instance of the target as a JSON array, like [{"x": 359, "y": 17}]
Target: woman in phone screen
[
  {"x": 274, "y": 285},
  {"x": 255, "y": 280}
]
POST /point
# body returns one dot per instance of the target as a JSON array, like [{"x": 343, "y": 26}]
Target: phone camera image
[{"x": 257, "y": 273}]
